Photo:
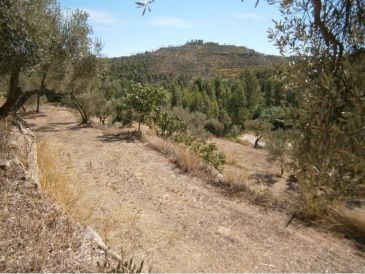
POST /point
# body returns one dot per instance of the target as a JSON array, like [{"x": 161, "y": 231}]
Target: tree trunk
[
  {"x": 84, "y": 116},
  {"x": 13, "y": 95},
  {"x": 43, "y": 86},
  {"x": 256, "y": 145},
  {"x": 38, "y": 102}
]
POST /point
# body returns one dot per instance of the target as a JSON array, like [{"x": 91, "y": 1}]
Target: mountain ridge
[{"x": 196, "y": 58}]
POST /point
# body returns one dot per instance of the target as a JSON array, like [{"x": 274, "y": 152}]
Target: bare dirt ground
[
  {"x": 136, "y": 199},
  {"x": 254, "y": 168}
]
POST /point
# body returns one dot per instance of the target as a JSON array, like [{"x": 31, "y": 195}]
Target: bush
[
  {"x": 210, "y": 154},
  {"x": 194, "y": 121},
  {"x": 214, "y": 126},
  {"x": 145, "y": 101},
  {"x": 207, "y": 151},
  {"x": 235, "y": 131},
  {"x": 169, "y": 124},
  {"x": 124, "y": 116}
]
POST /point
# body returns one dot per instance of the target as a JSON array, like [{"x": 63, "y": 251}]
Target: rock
[
  {"x": 224, "y": 231},
  {"x": 92, "y": 235},
  {"x": 219, "y": 178},
  {"x": 5, "y": 165},
  {"x": 19, "y": 138}
]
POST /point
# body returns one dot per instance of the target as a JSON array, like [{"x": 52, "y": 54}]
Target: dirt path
[{"x": 139, "y": 201}]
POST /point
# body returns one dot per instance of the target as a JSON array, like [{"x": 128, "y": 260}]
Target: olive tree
[
  {"x": 327, "y": 39},
  {"x": 40, "y": 42},
  {"x": 259, "y": 128},
  {"x": 278, "y": 147},
  {"x": 25, "y": 35},
  {"x": 77, "y": 75}
]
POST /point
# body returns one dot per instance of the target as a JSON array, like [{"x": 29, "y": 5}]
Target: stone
[
  {"x": 92, "y": 235},
  {"x": 219, "y": 178},
  {"x": 5, "y": 165}
]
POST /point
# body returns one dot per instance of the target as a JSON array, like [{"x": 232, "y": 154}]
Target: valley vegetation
[{"x": 309, "y": 107}]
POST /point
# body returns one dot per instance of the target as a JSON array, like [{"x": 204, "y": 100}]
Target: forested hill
[{"x": 195, "y": 58}]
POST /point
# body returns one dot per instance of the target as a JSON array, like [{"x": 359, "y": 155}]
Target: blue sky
[{"x": 124, "y": 31}]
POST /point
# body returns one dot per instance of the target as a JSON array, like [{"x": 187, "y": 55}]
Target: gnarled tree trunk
[
  {"x": 42, "y": 88},
  {"x": 13, "y": 95}
]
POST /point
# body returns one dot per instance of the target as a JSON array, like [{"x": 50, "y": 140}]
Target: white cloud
[
  {"x": 104, "y": 18},
  {"x": 252, "y": 16},
  {"x": 171, "y": 22}
]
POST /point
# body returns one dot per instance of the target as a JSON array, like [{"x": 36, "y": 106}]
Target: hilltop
[{"x": 195, "y": 58}]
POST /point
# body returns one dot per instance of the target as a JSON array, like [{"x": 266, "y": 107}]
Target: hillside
[
  {"x": 143, "y": 204},
  {"x": 193, "y": 59}
]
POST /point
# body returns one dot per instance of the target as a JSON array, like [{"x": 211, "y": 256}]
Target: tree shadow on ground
[
  {"x": 47, "y": 128},
  {"x": 292, "y": 183},
  {"x": 126, "y": 136},
  {"x": 80, "y": 126},
  {"x": 32, "y": 114},
  {"x": 263, "y": 178}
]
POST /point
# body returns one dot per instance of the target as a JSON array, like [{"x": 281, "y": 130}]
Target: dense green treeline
[{"x": 226, "y": 103}]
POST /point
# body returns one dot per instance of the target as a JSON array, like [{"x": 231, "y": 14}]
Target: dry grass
[
  {"x": 55, "y": 180},
  {"x": 235, "y": 179},
  {"x": 35, "y": 233},
  {"x": 177, "y": 154},
  {"x": 348, "y": 221},
  {"x": 333, "y": 216},
  {"x": 231, "y": 160},
  {"x": 4, "y": 131}
]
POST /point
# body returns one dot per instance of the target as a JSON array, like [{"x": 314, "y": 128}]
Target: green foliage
[
  {"x": 210, "y": 154},
  {"x": 48, "y": 49},
  {"x": 170, "y": 124},
  {"x": 327, "y": 79},
  {"x": 145, "y": 101},
  {"x": 194, "y": 121},
  {"x": 207, "y": 151},
  {"x": 276, "y": 115},
  {"x": 278, "y": 147},
  {"x": 235, "y": 131}
]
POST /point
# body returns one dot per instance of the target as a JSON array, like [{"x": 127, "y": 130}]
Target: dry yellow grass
[
  {"x": 177, "y": 154},
  {"x": 235, "y": 179},
  {"x": 4, "y": 129},
  {"x": 231, "y": 159},
  {"x": 55, "y": 180},
  {"x": 334, "y": 216}
]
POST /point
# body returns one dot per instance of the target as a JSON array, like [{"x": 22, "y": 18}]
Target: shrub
[
  {"x": 235, "y": 131},
  {"x": 207, "y": 151},
  {"x": 170, "y": 124},
  {"x": 214, "y": 126},
  {"x": 194, "y": 121},
  {"x": 124, "y": 116},
  {"x": 210, "y": 154},
  {"x": 145, "y": 101}
]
